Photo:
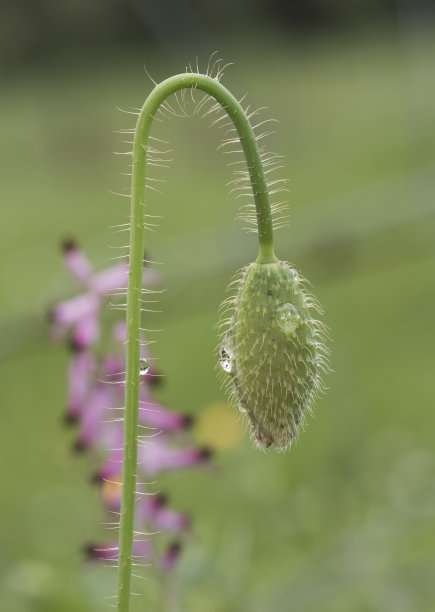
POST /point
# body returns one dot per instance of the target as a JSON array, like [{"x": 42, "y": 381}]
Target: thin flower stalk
[{"x": 272, "y": 346}]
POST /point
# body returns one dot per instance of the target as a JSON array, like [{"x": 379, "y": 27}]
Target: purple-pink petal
[
  {"x": 119, "y": 331},
  {"x": 81, "y": 367},
  {"x": 154, "y": 509},
  {"x": 69, "y": 312},
  {"x": 116, "y": 277},
  {"x": 166, "y": 518},
  {"x": 92, "y": 418},
  {"x": 150, "y": 509},
  {"x": 113, "y": 373},
  {"x": 155, "y": 415},
  {"x": 111, "y": 279},
  {"x": 77, "y": 263},
  {"x": 110, "y": 551},
  {"x": 111, "y": 439},
  {"x": 155, "y": 455},
  {"x": 86, "y": 331}
]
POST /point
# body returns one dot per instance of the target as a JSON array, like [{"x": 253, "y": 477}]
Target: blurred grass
[{"x": 345, "y": 520}]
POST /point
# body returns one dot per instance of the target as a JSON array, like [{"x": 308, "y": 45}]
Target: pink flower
[
  {"x": 157, "y": 455},
  {"x": 96, "y": 388},
  {"x": 81, "y": 314},
  {"x": 151, "y": 509},
  {"x": 154, "y": 415},
  {"x": 154, "y": 509}
]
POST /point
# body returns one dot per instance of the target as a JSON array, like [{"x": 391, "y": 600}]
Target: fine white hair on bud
[{"x": 273, "y": 351}]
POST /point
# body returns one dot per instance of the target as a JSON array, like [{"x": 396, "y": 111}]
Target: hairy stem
[{"x": 266, "y": 255}]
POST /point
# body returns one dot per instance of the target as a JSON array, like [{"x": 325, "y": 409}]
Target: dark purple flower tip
[
  {"x": 70, "y": 419},
  {"x": 89, "y": 550},
  {"x": 68, "y": 244},
  {"x": 155, "y": 379},
  {"x": 187, "y": 420},
  {"x": 175, "y": 547},
  {"x": 86, "y": 331},
  {"x": 79, "y": 446},
  {"x": 76, "y": 346},
  {"x": 76, "y": 262},
  {"x": 96, "y": 479},
  {"x": 206, "y": 453},
  {"x": 97, "y": 552},
  {"x": 171, "y": 556},
  {"x": 161, "y": 499}
]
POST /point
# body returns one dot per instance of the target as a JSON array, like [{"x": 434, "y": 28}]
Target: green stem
[{"x": 266, "y": 255}]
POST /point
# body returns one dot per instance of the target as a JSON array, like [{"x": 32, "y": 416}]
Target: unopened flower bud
[{"x": 273, "y": 351}]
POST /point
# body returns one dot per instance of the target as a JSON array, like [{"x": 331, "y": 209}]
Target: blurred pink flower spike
[{"x": 96, "y": 387}]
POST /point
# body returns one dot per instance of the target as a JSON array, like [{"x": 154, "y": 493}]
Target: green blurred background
[{"x": 343, "y": 522}]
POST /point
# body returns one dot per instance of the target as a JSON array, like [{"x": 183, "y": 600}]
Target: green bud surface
[{"x": 273, "y": 351}]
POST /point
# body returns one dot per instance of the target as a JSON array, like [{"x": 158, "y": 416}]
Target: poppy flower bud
[{"x": 273, "y": 352}]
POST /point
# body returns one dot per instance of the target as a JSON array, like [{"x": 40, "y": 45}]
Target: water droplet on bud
[
  {"x": 294, "y": 275},
  {"x": 288, "y": 318},
  {"x": 225, "y": 361},
  {"x": 144, "y": 367},
  {"x": 226, "y": 354}
]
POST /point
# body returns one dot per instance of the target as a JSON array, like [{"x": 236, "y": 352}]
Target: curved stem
[{"x": 266, "y": 255}]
